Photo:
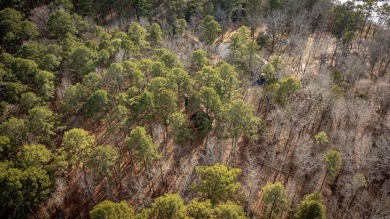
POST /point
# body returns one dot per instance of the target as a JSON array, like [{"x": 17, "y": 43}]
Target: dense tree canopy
[
  {"x": 77, "y": 143},
  {"x": 23, "y": 189},
  {"x": 141, "y": 146},
  {"x": 333, "y": 160},
  {"x": 345, "y": 19},
  {"x": 34, "y": 156},
  {"x": 230, "y": 210},
  {"x": 311, "y": 207},
  {"x": 168, "y": 206},
  {"x": 210, "y": 29},
  {"x": 217, "y": 183},
  {"x": 102, "y": 159},
  {"x": 61, "y": 23},
  {"x": 111, "y": 210},
  {"x": 200, "y": 209},
  {"x": 14, "y": 28},
  {"x": 274, "y": 197}
]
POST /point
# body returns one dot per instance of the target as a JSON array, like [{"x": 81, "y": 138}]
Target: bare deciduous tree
[
  {"x": 275, "y": 22},
  {"x": 40, "y": 16}
]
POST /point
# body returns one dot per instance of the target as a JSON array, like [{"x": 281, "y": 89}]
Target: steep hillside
[{"x": 194, "y": 109}]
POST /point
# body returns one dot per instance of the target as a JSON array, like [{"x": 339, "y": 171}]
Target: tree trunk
[
  {"x": 253, "y": 33},
  {"x": 368, "y": 31},
  {"x": 207, "y": 139},
  {"x": 372, "y": 70},
  {"x": 272, "y": 208},
  {"x": 273, "y": 43},
  {"x": 322, "y": 183},
  {"x": 307, "y": 61},
  {"x": 233, "y": 149},
  {"x": 119, "y": 176},
  {"x": 90, "y": 195},
  {"x": 352, "y": 199},
  {"x": 384, "y": 70},
  {"x": 59, "y": 211},
  {"x": 33, "y": 213}
]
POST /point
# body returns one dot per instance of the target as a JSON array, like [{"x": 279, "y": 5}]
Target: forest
[{"x": 195, "y": 109}]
